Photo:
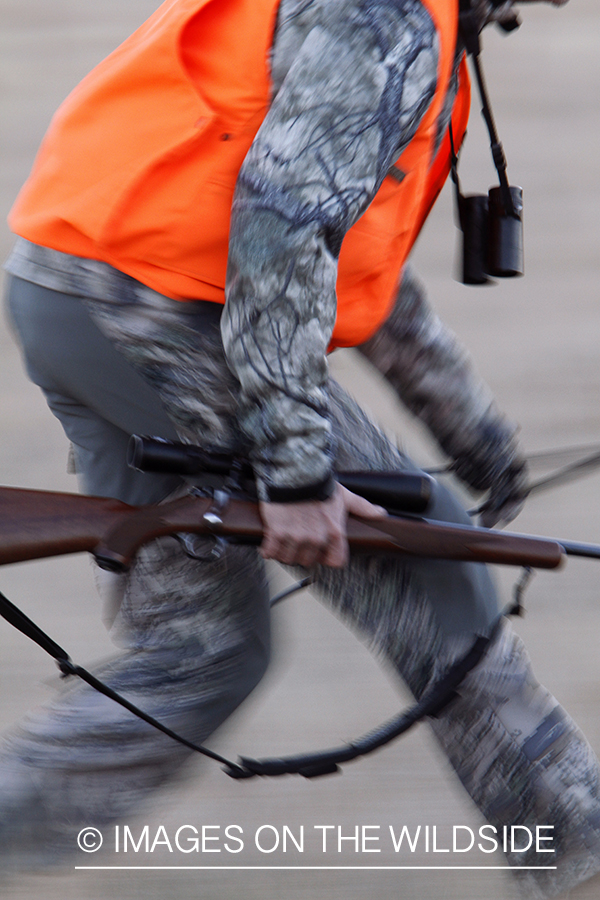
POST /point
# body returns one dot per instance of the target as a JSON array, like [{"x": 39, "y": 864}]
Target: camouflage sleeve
[
  {"x": 352, "y": 79},
  {"x": 433, "y": 376}
]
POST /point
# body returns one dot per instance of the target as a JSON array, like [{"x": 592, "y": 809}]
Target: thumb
[{"x": 358, "y": 506}]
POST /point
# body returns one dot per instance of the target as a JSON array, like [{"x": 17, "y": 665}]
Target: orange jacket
[{"x": 140, "y": 162}]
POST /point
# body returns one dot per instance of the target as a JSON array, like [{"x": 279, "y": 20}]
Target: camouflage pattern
[
  {"x": 435, "y": 379},
  {"x": 195, "y": 644},
  {"x": 350, "y": 82},
  {"x": 196, "y": 639}
]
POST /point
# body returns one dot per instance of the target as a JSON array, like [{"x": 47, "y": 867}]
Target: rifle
[{"x": 37, "y": 524}]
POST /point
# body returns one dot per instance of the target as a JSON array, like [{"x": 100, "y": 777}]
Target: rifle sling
[
  {"x": 309, "y": 765},
  {"x": 431, "y": 704},
  {"x": 23, "y": 623}
]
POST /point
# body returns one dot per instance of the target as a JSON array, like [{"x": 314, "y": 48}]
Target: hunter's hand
[
  {"x": 507, "y": 496},
  {"x": 314, "y": 531}
]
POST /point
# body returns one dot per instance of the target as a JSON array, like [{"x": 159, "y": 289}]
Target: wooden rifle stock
[{"x": 36, "y": 524}]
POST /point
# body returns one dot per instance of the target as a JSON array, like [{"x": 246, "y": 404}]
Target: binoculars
[{"x": 492, "y": 243}]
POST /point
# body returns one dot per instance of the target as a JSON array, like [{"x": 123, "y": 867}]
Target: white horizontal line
[{"x": 311, "y": 868}]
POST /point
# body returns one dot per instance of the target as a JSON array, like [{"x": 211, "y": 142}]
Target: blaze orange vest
[{"x": 139, "y": 165}]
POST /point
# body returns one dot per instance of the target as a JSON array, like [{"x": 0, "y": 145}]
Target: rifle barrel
[{"x": 575, "y": 548}]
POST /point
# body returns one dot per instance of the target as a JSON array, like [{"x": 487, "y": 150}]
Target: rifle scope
[{"x": 404, "y": 492}]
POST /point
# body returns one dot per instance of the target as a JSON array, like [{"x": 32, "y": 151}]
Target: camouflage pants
[{"x": 196, "y": 634}]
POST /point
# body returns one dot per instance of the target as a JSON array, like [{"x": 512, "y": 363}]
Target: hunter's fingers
[
  {"x": 336, "y": 553},
  {"x": 300, "y": 549},
  {"x": 307, "y": 533},
  {"x": 313, "y": 532}
]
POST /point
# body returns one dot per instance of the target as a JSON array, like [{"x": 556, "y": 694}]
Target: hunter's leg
[
  {"x": 196, "y": 634},
  {"x": 195, "y": 650},
  {"x": 520, "y": 757}
]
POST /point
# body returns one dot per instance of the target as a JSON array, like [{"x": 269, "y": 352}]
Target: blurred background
[{"x": 536, "y": 340}]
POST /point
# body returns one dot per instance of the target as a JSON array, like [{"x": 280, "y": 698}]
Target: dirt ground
[{"x": 537, "y": 342}]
